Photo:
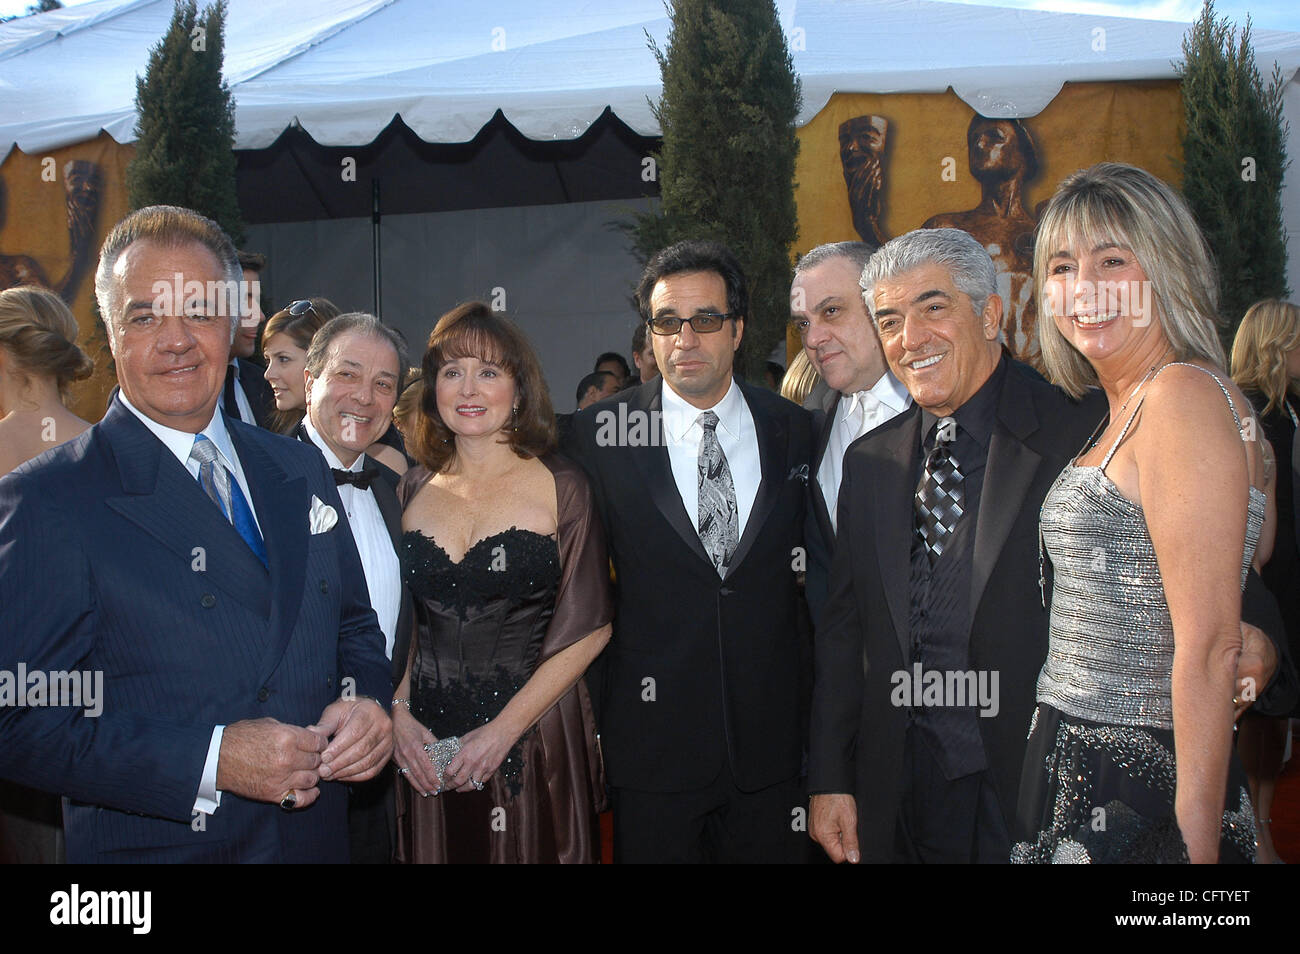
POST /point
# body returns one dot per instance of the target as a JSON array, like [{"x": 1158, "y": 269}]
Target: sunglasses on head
[{"x": 301, "y": 307}]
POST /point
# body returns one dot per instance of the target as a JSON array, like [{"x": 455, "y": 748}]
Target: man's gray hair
[
  {"x": 170, "y": 226},
  {"x": 360, "y": 323},
  {"x": 967, "y": 261},
  {"x": 856, "y": 252}
]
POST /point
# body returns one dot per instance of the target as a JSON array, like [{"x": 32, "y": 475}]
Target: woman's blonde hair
[
  {"x": 1116, "y": 204},
  {"x": 40, "y": 333},
  {"x": 800, "y": 378},
  {"x": 1269, "y": 329}
]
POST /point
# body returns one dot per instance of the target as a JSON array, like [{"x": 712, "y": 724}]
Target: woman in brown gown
[{"x": 505, "y": 557}]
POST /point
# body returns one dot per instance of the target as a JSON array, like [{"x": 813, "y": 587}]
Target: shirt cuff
[{"x": 209, "y": 798}]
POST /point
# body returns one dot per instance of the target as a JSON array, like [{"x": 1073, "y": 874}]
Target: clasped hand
[
  {"x": 481, "y": 753},
  {"x": 263, "y": 759}
]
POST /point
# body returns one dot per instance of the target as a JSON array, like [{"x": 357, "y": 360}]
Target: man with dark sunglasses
[{"x": 701, "y": 487}]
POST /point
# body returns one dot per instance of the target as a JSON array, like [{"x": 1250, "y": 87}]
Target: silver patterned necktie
[
  {"x": 213, "y": 478},
  {"x": 719, "y": 517},
  {"x": 941, "y": 497}
]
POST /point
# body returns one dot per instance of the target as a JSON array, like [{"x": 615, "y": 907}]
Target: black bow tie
[{"x": 361, "y": 478}]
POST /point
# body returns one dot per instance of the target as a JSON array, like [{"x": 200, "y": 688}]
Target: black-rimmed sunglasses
[
  {"x": 301, "y": 307},
  {"x": 702, "y": 323}
]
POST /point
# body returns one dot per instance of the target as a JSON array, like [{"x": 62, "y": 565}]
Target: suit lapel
[
  {"x": 893, "y": 455},
  {"x": 773, "y": 449},
  {"x": 282, "y": 505},
  {"x": 821, "y": 506},
  {"x": 1007, "y": 476},
  {"x": 386, "y": 496},
  {"x": 165, "y": 501},
  {"x": 651, "y": 457}
]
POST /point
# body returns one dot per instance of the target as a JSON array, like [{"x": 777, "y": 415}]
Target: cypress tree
[
  {"x": 726, "y": 170},
  {"x": 185, "y": 130},
  {"x": 1234, "y": 155}
]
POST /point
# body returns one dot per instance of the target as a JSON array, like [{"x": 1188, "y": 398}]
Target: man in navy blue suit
[{"x": 205, "y": 568}]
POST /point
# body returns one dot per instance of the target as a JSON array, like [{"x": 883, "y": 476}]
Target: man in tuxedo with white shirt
[
  {"x": 353, "y": 373},
  {"x": 860, "y": 393},
  {"x": 700, "y": 482},
  {"x": 203, "y": 568}
]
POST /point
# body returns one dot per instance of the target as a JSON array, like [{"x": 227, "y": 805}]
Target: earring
[{"x": 514, "y": 418}]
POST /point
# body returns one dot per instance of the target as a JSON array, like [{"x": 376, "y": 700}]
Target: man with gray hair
[
  {"x": 934, "y": 632},
  {"x": 353, "y": 373},
  {"x": 857, "y": 394},
  {"x": 204, "y": 567},
  {"x": 933, "y": 582}
]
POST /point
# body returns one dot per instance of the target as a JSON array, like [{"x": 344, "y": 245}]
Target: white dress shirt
[
  {"x": 180, "y": 443},
  {"x": 378, "y": 558},
  {"x": 856, "y": 415},
  {"x": 736, "y": 436}
]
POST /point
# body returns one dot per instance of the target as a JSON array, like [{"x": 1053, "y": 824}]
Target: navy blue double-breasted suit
[{"x": 113, "y": 559}]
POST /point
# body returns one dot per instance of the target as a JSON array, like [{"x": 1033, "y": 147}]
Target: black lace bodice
[{"x": 481, "y": 626}]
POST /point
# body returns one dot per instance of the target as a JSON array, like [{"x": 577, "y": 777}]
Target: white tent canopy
[{"x": 343, "y": 68}]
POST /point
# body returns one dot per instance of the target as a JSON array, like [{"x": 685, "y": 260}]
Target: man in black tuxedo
[
  {"x": 859, "y": 392},
  {"x": 353, "y": 374},
  {"x": 700, "y": 482},
  {"x": 935, "y": 572},
  {"x": 247, "y": 397}
]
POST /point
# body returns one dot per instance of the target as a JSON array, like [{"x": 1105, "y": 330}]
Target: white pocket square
[{"x": 323, "y": 516}]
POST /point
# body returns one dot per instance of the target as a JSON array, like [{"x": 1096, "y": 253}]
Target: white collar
[
  {"x": 180, "y": 443},
  {"x": 330, "y": 457},
  {"x": 888, "y": 391},
  {"x": 680, "y": 416}
]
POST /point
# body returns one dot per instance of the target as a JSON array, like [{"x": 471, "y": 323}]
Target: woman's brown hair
[
  {"x": 472, "y": 330},
  {"x": 300, "y": 329}
]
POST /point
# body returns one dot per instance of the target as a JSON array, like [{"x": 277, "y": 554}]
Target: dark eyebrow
[{"x": 823, "y": 303}]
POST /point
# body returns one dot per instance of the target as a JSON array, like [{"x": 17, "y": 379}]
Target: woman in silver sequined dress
[{"x": 1149, "y": 533}]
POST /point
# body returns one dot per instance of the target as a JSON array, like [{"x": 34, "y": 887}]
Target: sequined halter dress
[{"x": 1099, "y": 775}]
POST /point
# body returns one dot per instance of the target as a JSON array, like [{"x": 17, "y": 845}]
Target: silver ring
[
  {"x": 476, "y": 783},
  {"x": 403, "y": 771},
  {"x": 289, "y": 800}
]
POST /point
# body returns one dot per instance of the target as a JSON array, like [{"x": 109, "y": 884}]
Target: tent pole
[{"x": 374, "y": 243}]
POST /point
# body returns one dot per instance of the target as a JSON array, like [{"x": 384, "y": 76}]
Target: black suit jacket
[
  {"x": 385, "y": 490},
  {"x": 252, "y": 378},
  {"x": 702, "y": 672},
  {"x": 857, "y": 734},
  {"x": 819, "y": 535}
]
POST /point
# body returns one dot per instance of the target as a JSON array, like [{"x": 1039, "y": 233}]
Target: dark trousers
[
  {"x": 947, "y": 821},
  {"x": 717, "y": 824},
  {"x": 372, "y": 819}
]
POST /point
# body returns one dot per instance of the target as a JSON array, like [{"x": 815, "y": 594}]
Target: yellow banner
[
  {"x": 874, "y": 166},
  {"x": 56, "y": 208}
]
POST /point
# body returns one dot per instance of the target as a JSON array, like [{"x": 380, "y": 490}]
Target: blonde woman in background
[
  {"x": 39, "y": 359},
  {"x": 800, "y": 378},
  {"x": 1266, "y": 365}
]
